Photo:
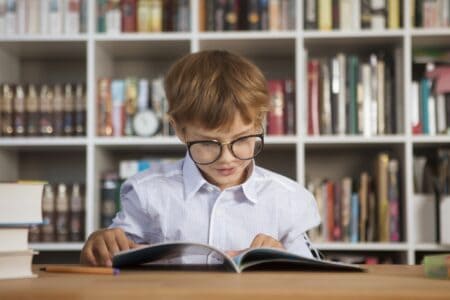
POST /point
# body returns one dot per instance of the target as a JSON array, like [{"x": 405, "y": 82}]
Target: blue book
[
  {"x": 425, "y": 86},
  {"x": 354, "y": 218}
]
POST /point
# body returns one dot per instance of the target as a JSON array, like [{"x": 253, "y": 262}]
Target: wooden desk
[{"x": 381, "y": 282}]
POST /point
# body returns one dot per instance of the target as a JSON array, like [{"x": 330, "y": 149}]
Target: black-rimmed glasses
[{"x": 205, "y": 152}]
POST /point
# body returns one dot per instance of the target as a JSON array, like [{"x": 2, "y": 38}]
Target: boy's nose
[{"x": 226, "y": 155}]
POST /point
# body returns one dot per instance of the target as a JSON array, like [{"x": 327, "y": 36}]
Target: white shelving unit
[{"x": 87, "y": 57}]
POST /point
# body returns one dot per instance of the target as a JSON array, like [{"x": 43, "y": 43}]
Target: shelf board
[
  {"x": 362, "y": 246},
  {"x": 354, "y": 139},
  {"x": 144, "y": 36},
  {"x": 281, "y": 140},
  {"x": 427, "y": 139},
  {"x": 42, "y": 141},
  {"x": 75, "y": 246},
  {"x": 417, "y": 32},
  {"x": 44, "y": 38},
  {"x": 431, "y": 247},
  {"x": 247, "y": 35},
  {"x": 333, "y": 34}
]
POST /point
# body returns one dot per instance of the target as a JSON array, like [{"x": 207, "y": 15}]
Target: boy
[{"x": 215, "y": 195}]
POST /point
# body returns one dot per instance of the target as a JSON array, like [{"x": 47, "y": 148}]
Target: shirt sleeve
[
  {"x": 132, "y": 217},
  {"x": 300, "y": 216}
]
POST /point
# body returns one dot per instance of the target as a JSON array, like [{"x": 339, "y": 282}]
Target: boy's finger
[
  {"x": 89, "y": 258},
  {"x": 122, "y": 241},
  {"x": 101, "y": 253},
  {"x": 111, "y": 244}
]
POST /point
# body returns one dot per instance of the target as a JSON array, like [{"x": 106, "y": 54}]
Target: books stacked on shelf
[
  {"x": 327, "y": 15},
  {"x": 20, "y": 206},
  {"x": 430, "y": 13},
  {"x": 111, "y": 182},
  {"x": 130, "y": 107},
  {"x": 281, "y": 117},
  {"x": 227, "y": 15},
  {"x": 364, "y": 209},
  {"x": 348, "y": 94},
  {"x": 430, "y": 92},
  {"x": 49, "y": 17},
  {"x": 432, "y": 177},
  {"x": 63, "y": 213},
  {"x": 116, "y": 16},
  {"x": 42, "y": 111}
]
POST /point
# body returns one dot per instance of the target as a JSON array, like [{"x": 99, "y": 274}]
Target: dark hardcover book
[
  {"x": 58, "y": 113},
  {"x": 80, "y": 111},
  {"x": 418, "y": 21},
  {"x": 7, "y": 110},
  {"x": 289, "y": 108},
  {"x": 129, "y": 11},
  {"x": 313, "y": 97},
  {"x": 183, "y": 16},
  {"x": 447, "y": 109},
  {"x": 310, "y": 11},
  {"x": 32, "y": 113},
  {"x": 366, "y": 14},
  {"x": 337, "y": 209},
  {"x": 19, "y": 112},
  {"x": 253, "y": 16},
  {"x": 231, "y": 14},
  {"x": 353, "y": 67},
  {"x": 264, "y": 14},
  {"x": 390, "y": 111},
  {"x": 68, "y": 125},
  {"x": 220, "y": 8},
  {"x": 210, "y": 13},
  {"x": 336, "y": 15},
  {"x": 334, "y": 94},
  {"x": 169, "y": 15},
  {"x": 330, "y": 209}
]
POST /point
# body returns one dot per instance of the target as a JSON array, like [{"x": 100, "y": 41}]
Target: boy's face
[{"x": 227, "y": 170}]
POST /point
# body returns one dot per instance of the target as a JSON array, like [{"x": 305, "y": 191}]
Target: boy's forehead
[{"x": 226, "y": 131}]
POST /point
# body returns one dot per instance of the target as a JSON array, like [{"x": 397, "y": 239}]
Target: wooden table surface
[{"x": 380, "y": 282}]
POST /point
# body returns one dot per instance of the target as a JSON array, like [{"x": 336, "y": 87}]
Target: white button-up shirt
[{"x": 173, "y": 202}]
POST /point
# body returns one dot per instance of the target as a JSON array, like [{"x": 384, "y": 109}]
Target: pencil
[{"x": 81, "y": 269}]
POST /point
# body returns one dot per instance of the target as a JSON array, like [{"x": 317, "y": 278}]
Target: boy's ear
[{"x": 179, "y": 132}]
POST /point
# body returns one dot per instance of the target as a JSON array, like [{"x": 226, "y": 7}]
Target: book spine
[
  {"x": 104, "y": 108},
  {"x": 393, "y": 14},
  {"x": 62, "y": 214},
  {"x": 19, "y": 112},
  {"x": 335, "y": 86},
  {"x": 394, "y": 205},
  {"x": 46, "y": 111},
  {"x": 253, "y": 15},
  {"x": 275, "y": 115},
  {"x": 424, "y": 98},
  {"x": 274, "y": 15},
  {"x": 366, "y": 14},
  {"x": 11, "y": 17},
  {"x": 55, "y": 15},
  {"x": 353, "y": 82},
  {"x": 22, "y": 20},
  {"x": 447, "y": 112},
  {"x": 363, "y": 200},
  {"x": 76, "y": 214},
  {"x": 264, "y": 14},
  {"x": 48, "y": 215},
  {"x": 80, "y": 111},
  {"x": 313, "y": 97},
  {"x": 373, "y": 95},
  {"x": 58, "y": 111},
  {"x": 335, "y": 14},
  {"x": 156, "y": 15},
  {"x": 380, "y": 90},
  {"x": 169, "y": 15},
  {"x": 290, "y": 107},
  {"x": 326, "y": 106},
  {"x": 108, "y": 199},
  {"x": 33, "y": 10},
  {"x": 118, "y": 94},
  {"x": 354, "y": 223},
  {"x": 310, "y": 8},
  {"x": 356, "y": 15},
  {"x": 131, "y": 94},
  {"x": 231, "y": 15},
  {"x": 144, "y": 16},
  {"x": 83, "y": 16},
  {"x": 219, "y": 14},
  {"x": 342, "y": 95},
  {"x": 346, "y": 15},
  {"x": 68, "y": 125},
  {"x": 346, "y": 209},
  {"x": 32, "y": 106},
  {"x": 337, "y": 210},
  {"x": 128, "y": 9},
  {"x": 183, "y": 16},
  {"x": 284, "y": 15},
  {"x": 432, "y": 115},
  {"x": 330, "y": 209},
  {"x": 72, "y": 17},
  {"x": 101, "y": 15},
  {"x": 383, "y": 197},
  {"x": 325, "y": 15},
  {"x": 378, "y": 18}
]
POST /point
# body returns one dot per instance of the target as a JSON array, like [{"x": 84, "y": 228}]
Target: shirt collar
[{"x": 193, "y": 180}]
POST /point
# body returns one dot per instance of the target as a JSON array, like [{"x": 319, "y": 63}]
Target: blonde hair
[{"x": 210, "y": 88}]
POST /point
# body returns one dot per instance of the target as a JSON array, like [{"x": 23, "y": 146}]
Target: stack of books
[{"x": 20, "y": 206}]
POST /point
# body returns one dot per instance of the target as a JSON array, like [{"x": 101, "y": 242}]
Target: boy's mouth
[{"x": 226, "y": 171}]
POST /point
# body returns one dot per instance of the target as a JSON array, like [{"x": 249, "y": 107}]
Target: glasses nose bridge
[{"x": 229, "y": 146}]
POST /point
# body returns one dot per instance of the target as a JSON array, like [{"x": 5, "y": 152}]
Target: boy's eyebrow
[{"x": 214, "y": 138}]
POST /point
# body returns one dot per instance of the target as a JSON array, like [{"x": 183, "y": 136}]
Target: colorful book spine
[
  {"x": 118, "y": 97},
  {"x": 313, "y": 97},
  {"x": 129, "y": 19}
]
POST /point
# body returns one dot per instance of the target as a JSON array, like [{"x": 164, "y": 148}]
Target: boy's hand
[
  {"x": 260, "y": 241},
  {"x": 103, "y": 244}
]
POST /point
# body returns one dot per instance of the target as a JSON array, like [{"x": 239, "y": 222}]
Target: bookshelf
[{"x": 88, "y": 56}]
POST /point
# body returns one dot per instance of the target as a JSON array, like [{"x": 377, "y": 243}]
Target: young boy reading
[{"x": 216, "y": 195}]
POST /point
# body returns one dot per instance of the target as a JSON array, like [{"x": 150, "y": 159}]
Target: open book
[{"x": 252, "y": 259}]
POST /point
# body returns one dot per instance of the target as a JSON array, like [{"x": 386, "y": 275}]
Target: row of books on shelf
[
  {"x": 364, "y": 209},
  {"x": 19, "y": 209},
  {"x": 348, "y": 94},
  {"x": 365, "y": 259},
  {"x": 48, "y": 110},
  {"x": 63, "y": 214},
  {"x": 224, "y": 15},
  {"x": 132, "y": 106},
  {"x": 430, "y": 13},
  {"x": 281, "y": 117},
  {"x": 352, "y": 15},
  {"x": 430, "y": 95},
  {"x": 49, "y": 17},
  {"x": 116, "y": 16}
]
